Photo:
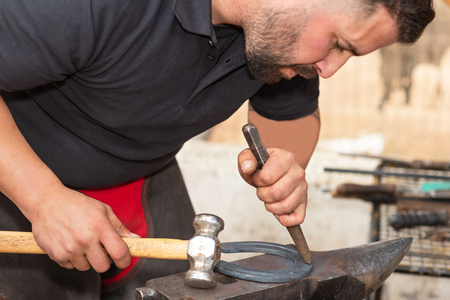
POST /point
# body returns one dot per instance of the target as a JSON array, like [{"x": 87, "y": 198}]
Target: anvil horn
[
  {"x": 344, "y": 274},
  {"x": 366, "y": 267}
]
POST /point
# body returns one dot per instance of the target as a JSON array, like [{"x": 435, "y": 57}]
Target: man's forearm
[
  {"x": 71, "y": 227},
  {"x": 297, "y": 136},
  {"x": 24, "y": 177}
]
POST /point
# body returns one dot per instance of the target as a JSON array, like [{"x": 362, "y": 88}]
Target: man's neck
[{"x": 228, "y": 11}]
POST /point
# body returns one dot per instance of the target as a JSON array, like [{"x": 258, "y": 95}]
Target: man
[{"x": 100, "y": 95}]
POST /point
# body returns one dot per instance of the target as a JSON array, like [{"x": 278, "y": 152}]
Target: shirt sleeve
[
  {"x": 42, "y": 41},
  {"x": 287, "y": 99}
]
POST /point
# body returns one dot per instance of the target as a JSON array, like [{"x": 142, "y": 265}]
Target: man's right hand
[{"x": 75, "y": 230}]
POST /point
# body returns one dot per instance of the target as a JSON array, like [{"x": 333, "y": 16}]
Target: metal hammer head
[{"x": 204, "y": 252}]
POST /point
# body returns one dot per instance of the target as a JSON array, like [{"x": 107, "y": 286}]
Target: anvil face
[{"x": 351, "y": 273}]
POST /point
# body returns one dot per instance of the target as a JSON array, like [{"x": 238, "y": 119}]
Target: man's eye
[{"x": 339, "y": 47}]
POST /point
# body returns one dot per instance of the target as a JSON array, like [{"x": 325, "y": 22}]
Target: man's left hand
[{"x": 280, "y": 184}]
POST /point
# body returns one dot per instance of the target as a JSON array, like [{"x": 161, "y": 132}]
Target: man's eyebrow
[{"x": 351, "y": 48}]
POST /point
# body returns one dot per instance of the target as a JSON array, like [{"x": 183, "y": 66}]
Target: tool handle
[
  {"x": 24, "y": 243},
  {"x": 405, "y": 205},
  {"x": 412, "y": 219},
  {"x": 351, "y": 189},
  {"x": 415, "y": 164},
  {"x": 254, "y": 141},
  {"x": 430, "y": 165}
]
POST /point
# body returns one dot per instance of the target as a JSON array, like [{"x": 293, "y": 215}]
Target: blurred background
[
  {"x": 400, "y": 92},
  {"x": 394, "y": 102}
]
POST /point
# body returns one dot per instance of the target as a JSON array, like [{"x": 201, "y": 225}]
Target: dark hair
[{"x": 412, "y": 16}]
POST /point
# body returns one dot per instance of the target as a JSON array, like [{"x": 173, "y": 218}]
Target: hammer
[
  {"x": 202, "y": 250},
  {"x": 254, "y": 141}
]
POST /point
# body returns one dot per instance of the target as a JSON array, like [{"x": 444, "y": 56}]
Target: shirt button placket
[{"x": 212, "y": 55}]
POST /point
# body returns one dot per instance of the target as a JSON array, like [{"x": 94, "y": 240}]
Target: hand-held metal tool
[
  {"x": 414, "y": 164},
  {"x": 203, "y": 250},
  {"x": 254, "y": 141},
  {"x": 389, "y": 190},
  {"x": 418, "y": 218}
]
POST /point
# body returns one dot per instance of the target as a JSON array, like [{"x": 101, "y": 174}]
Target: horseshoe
[{"x": 298, "y": 270}]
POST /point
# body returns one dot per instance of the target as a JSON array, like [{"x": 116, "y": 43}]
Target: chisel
[{"x": 259, "y": 151}]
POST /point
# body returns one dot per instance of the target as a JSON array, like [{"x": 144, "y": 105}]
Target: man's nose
[{"x": 330, "y": 65}]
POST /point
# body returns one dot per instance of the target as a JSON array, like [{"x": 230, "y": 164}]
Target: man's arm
[
  {"x": 71, "y": 227},
  {"x": 281, "y": 184},
  {"x": 297, "y": 136}
]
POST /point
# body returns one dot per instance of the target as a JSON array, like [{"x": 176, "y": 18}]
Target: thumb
[
  {"x": 118, "y": 225},
  {"x": 124, "y": 232},
  {"x": 247, "y": 165}
]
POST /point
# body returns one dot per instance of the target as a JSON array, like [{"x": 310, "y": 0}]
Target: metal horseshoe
[{"x": 297, "y": 271}]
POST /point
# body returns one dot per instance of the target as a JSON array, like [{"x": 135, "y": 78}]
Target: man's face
[{"x": 284, "y": 42}]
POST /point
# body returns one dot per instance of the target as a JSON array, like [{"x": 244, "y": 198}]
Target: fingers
[
  {"x": 83, "y": 235},
  {"x": 296, "y": 217},
  {"x": 67, "y": 265},
  {"x": 97, "y": 254},
  {"x": 117, "y": 249},
  {"x": 280, "y": 184},
  {"x": 71, "y": 256},
  {"x": 290, "y": 185},
  {"x": 119, "y": 226},
  {"x": 80, "y": 262},
  {"x": 247, "y": 165}
]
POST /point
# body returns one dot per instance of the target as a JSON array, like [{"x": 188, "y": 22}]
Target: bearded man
[{"x": 99, "y": 95}]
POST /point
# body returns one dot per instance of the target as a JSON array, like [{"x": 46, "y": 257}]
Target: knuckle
[
  {"x": 286, "y": 207},
  {"x": 107, "y": 208},
  {"x": 262, "y": 195},
  {"x": 119, "y": 253},
  {"x": 300, "y": 219},
  {"x": 103, "y": 227},
  {"x": 300, "y": 174},
  {"x": 70, "y": 250},
  {"x": 265, "y": 178},
  {"x": 277, "y": 194},
  {"x": 66, "y": 265},
  {"x": 102, "y": 267},
  {"x": 83, "y": 267},
  {"x": 61, "y": 259},
  {"x": 84, "y": 241},
  {"x": 290, "y": 157},
  {"x": 268, "y": 207}
]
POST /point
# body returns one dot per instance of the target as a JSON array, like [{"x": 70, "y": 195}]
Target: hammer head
[{"x": 204, "y": 251}]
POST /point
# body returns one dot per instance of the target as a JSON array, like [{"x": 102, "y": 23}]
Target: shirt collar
[{"x": 195, "y": 16}]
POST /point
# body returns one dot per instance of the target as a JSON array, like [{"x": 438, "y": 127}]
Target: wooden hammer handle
[{"x": 24, "y": 242}]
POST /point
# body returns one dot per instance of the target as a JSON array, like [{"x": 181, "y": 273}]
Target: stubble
[{"x": 270, "y": 37}]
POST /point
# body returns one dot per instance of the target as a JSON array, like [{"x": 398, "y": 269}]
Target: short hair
[{"x": 412, "y": 16}]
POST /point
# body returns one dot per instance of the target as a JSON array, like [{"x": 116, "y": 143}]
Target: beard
[
  {"x": 269, "y": 40},
  {"x": 265, "y": 68}
]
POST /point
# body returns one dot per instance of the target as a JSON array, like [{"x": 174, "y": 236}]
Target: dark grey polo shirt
[{"x": 106, "y": 91}]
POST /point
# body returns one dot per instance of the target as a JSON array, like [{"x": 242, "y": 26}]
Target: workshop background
[{"x": 394, "y": 102}]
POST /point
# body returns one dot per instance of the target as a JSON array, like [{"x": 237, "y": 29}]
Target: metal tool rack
[{"x": 426, "y": 256}]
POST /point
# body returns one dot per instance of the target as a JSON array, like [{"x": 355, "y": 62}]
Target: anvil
[{"x": 345, "y": 274}]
